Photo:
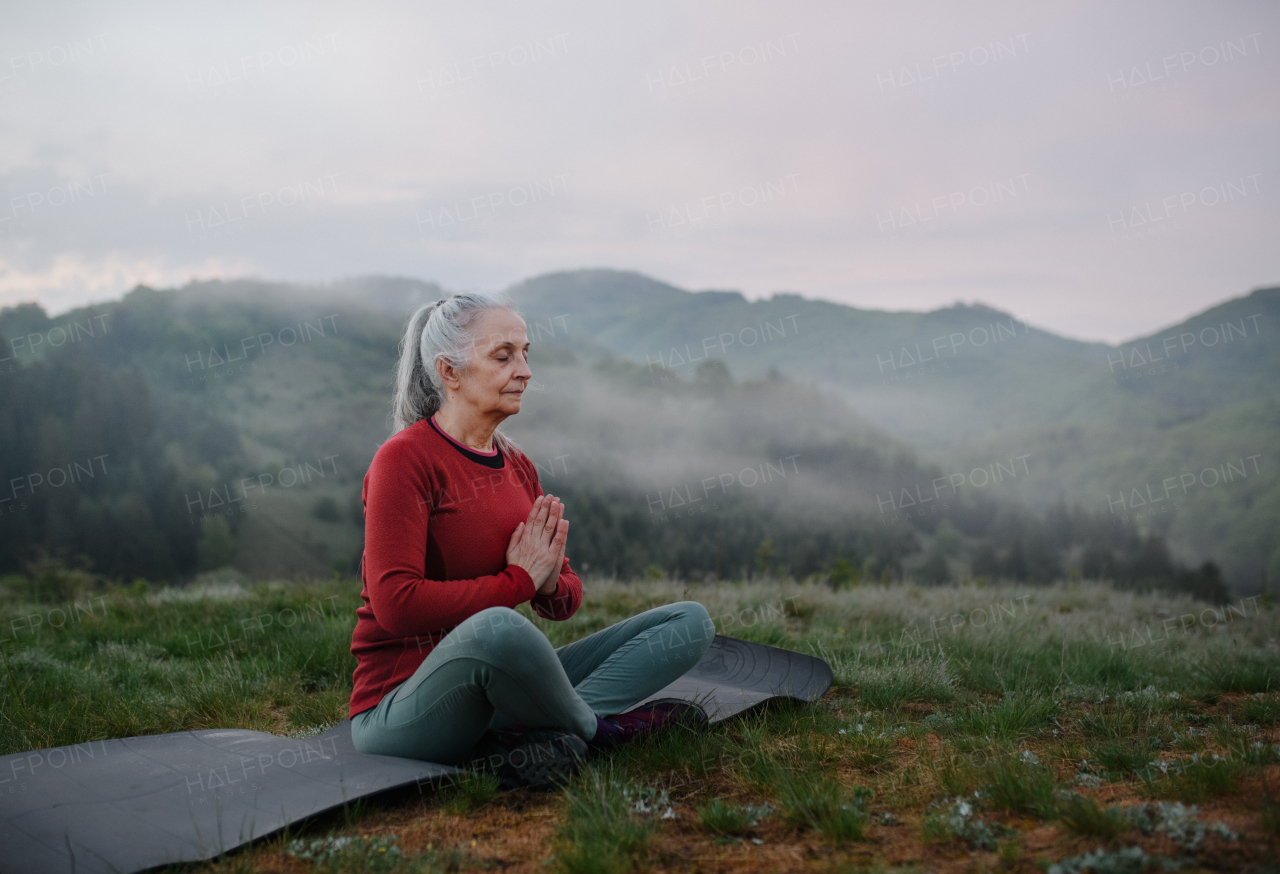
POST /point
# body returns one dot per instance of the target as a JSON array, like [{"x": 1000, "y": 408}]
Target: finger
[
  {"x": 556, "y": 514},
  {"x": 547, "y": 531},
  {"x": 513, "y": 545},
  {"x": 556, "y": 547},
  {"x": 515, "y": 537},
  {"x": 533, "y": 511},
  {"x": 537, "y": 520},
  {"x": 553, "y": 578},
  {"x": 542, "y": 511},
  {"x": 560, "y": 542},
  {"x": 560, "y": 558}
]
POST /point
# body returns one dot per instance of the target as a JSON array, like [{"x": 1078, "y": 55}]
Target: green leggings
[{"x": 497, "y": 668}]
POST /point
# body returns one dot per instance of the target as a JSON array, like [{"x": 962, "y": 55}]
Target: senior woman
[{"x": 457, "y": 533}]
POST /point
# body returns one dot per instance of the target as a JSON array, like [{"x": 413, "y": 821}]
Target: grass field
[{"x": 1067, "y": 728}]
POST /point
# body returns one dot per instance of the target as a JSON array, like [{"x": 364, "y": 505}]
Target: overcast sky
[{"x": 1099, "y": 169}]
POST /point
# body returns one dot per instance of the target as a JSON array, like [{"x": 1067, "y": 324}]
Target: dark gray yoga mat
[
  {"x": 134, "y": 803},
  {"x": 734, "y": 675}
]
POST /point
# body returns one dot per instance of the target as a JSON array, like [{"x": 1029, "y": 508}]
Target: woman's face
[{"x": 498, "y": 369}]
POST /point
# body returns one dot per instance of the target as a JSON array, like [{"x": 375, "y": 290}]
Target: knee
[
  {"x": 697, "y": 620},
  {"x": 693, "y": 610},
  {"x": 503, "y": 630}
]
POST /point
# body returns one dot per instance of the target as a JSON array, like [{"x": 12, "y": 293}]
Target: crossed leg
[{"x": 496, "y": 668}]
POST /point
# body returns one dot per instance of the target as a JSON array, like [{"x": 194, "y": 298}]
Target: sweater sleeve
[{"x": 398, "y": 500}]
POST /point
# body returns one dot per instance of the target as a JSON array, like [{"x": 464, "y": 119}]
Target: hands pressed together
[{"x": 538, "y": 543}]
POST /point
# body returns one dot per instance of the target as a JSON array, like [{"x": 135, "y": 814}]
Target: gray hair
[{"x": 435, "y": 331}]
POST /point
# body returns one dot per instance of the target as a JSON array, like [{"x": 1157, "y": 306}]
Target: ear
[{"x": 448, "y": 374}]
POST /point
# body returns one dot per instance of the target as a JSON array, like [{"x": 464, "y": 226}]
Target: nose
[{"x": 522, "y": 370}]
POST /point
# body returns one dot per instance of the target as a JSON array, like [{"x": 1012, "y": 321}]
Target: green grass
[
  {"x": 910, "y": 732},
  {"x": 1115, "y": 724},
  {"x": 1002, "y": 780},
  {"x": 871, "y": 753},
  {"x": 1124, "y": 756},
  {"x": 1260, "y": 710},
  {"x": 605, "y": 832},
  {"x": 1018, "y": 786},
  {"x": 1197, "y": 781},
  {"x": 469, "y": 791},
  {"x": 202, "y": 657},
  {"x": 885, "y": 681},
  {"x": 726, "y": 818},
  {"x": 1270, "y": 803},
  {"x": 1085, "y": 817},
  {"x": 821, "y": 803},
  {"x": 1015, "y": 717}
]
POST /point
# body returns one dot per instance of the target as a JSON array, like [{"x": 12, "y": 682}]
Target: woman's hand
[
  {"x": 553, "y": 578},
  {"x": 538, "y": 543}
]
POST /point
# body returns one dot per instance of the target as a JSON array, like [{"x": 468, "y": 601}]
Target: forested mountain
[
  {"x": 233, "y": 423},
  {"x": 968, "y": 386}
]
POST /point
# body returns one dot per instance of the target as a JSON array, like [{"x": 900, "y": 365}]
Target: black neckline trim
[{"x": 496, "y": 461}]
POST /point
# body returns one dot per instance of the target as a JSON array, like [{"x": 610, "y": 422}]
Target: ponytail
[{"x": 437, "y": 331}]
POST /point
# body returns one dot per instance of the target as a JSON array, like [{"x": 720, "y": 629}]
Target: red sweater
[{"x": 438, "y": 517}]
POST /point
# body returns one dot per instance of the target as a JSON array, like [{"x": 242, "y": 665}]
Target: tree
[
  {"x": 764, "y": 554},
  {"x": 217, "y": 547}
]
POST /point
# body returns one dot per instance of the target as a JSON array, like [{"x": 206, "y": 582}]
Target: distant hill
[
  {"x": 643, "y": 393},
  {"x": 967, "y": 385}
]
